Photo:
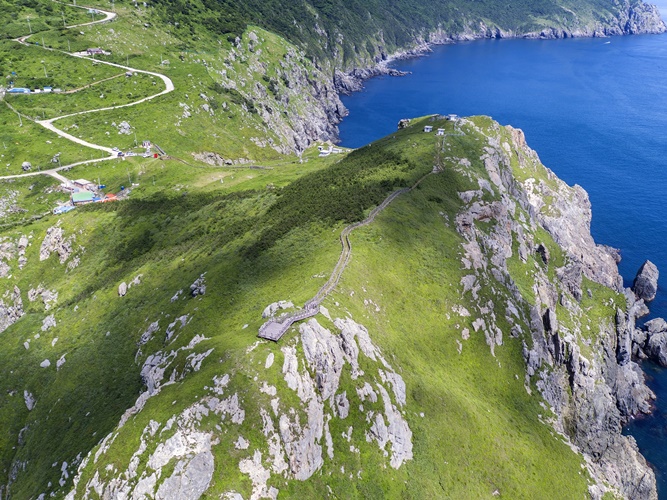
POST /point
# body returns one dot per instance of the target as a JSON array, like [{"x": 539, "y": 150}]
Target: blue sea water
[{"x": 595, "y": 110}]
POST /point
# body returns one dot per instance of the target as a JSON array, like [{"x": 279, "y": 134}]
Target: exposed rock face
[
  {"x": 590, "y": 395},
  {"x": 645, "y": 285},
  {"x": 122, "y": 289},
  {"x": 300, "y": 104},
  {"x": 29, "y": 400},
  {"x": 10, "y": 313},
  {"x": 298, "y": 439},
  {"x": 212, "y": 159},
  {"x": 55, "y": 242},
  {"x": 49, "y": 297},
  {"x": 49, "y": 322},
  {"x": 272, "y": 309},
  {"x": 199, "y": 286}
]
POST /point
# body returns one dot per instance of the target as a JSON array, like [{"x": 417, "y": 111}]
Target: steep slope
[
  {"x": 254, "y": 81},
  {"x": 352, "y": 32},
  {"x": 470, "y": 347}
]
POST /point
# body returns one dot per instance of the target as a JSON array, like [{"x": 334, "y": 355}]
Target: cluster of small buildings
[
  {"x": 330, "y": 151},
  {"x": 83, "y": 192},
  {"x": 96, "y": 51},
  {"x": 441, "y": 131},
  {"x": 25, "y": 90}
]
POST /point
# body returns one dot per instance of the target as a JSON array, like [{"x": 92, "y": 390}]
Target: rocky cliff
[
  {"x": 479, "y": 341},
  {"x": 591, "y": 385}
]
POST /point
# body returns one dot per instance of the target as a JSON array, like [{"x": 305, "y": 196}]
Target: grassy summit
[{"x": 259, "y": 240}]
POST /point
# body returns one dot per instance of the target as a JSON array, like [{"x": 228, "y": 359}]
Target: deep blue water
[{"x": 596, "y": 112}]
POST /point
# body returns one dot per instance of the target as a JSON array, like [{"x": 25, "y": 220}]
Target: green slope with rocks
[
  {"x": 472, "y": 346},
  {"x": 453, "y": 359}
]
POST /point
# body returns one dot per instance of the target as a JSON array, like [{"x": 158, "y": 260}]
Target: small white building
[
  {"x": 441, "y": 131},
  {"x": 84, "y": 184},
  {"x": 452, "y": 118},
  {"x": 428, "y": 129}
]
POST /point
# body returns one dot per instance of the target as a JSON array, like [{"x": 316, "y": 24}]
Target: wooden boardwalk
[{"x": 275, "y": 328}]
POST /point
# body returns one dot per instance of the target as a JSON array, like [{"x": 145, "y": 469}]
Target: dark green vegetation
[
  {"x": 260, "y": 235},
  {"x": 481, "y": 430},
  {"x": 372, "y": 28}
]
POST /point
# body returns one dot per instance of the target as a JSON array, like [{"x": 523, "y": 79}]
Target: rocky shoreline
[{"x": 632, "y": 20}]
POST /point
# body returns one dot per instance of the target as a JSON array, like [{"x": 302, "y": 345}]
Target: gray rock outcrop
[
  {"x": 199, "y": 286},
  {"x": 645, "y": 285},
  {"x": 29, "y": 400},
  {"x": 12, "y": 311},
  {"x": 55, "y": 242}
]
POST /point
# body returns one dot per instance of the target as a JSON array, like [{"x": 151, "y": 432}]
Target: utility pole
[
  {"x": 129, "y": 179},
  {"x": 43, "y": 41},
  {"x": 29, "y": 27},
  {"x": 64, "y": 23},
  {"x": 20, "y": 120},
  {"x": 69, "y": 47},
  {"x": 44, "y": 66},
  {"x": 135, "y": 139}
]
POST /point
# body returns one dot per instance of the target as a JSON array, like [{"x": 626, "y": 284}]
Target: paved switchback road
[{"x": 49, "y": 124}]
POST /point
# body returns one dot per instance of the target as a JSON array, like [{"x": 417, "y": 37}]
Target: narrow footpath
[{"x": 275, "y": 328}]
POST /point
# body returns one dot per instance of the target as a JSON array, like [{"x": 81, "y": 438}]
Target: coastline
[
  {"x": 645, "y": 22},
  {"x": 627, "y": 335}
]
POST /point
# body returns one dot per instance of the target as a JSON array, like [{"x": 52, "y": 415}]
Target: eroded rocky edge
[
  {"x": 591, "y": 396},
  {"x": 587, "y": 397},
  {"x": 297, "y": 439},
  {"x": 631, "y": 20},
  {"x": 309, "y": 109}
]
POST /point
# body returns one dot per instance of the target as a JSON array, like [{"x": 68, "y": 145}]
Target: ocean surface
[{"x": 595, "y": 110}]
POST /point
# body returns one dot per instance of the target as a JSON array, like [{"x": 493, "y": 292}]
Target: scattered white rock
[
  {"x": 148, "y": 334},
  {"x": 45, "y": 364},
  {"x": 241, "y": 444},
  {"x": 269, "y": 361},
  {"x": 49, "y": 322},
  {"x": 271, "y": 309},
  {"x": 259, "y": 476},
  {"x": 199, "y": 286},
  {"x": 29, "y": 400}
]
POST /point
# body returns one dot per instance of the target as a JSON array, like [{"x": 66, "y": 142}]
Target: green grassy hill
[
  {"x": 477, "y": 422},
  {"x": 429, "y": 372}
]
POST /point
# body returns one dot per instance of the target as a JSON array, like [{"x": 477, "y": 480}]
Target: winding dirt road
[{"x": 48, "y": 124}]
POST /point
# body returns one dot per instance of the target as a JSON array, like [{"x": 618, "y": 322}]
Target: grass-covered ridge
[
  {"x": 263, "y": 236},
  {"x": 352, "y": 31}
]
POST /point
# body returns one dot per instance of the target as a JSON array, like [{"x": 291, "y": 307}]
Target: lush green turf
[
  {"x": 14, "y": 17},
  {"x": 481, "y": 431},
  {"x": 23, "y": 140},
  {"x": 260, "y": 235}
]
